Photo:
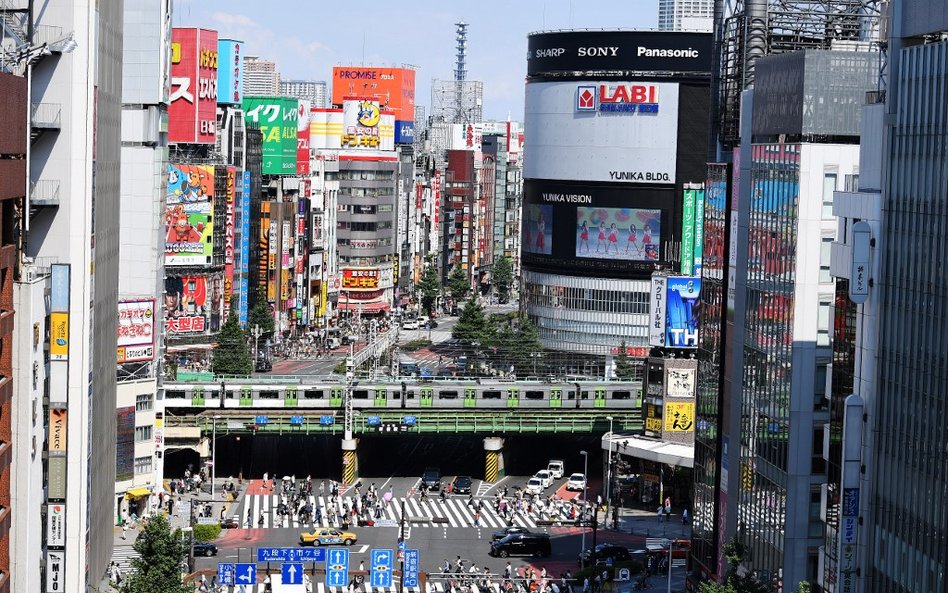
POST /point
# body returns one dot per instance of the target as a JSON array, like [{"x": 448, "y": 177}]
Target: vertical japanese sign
[
  {"x": 229, "y": 230},
  {"x": 688, "y": 232},
  {"x": 59, "y": 330},
  {"x": 277, "y": 118},
  {"x": 698, "y": 258},
  {"x": 410, "y": 578},
  {"x": 193, "y": 102},
  {"x": 135, "y": 330},
  {"x": 302, "y": 138},
  {"x": 230, "y": 72},
  {"x": 244, "y": 247},
  {"x": 59, "y": 336},
  {"x": 56, "y": 525},
  {"x": 656, "y": 312},
  {"x": 55, "y": 566}
]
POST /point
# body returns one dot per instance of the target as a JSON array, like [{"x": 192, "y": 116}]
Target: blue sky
[{"x": 307, "y": 38}]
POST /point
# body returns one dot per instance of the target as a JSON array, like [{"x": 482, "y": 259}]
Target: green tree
[
  {"x": 471, "y": 327},
  {"x": 624, "y": 369},
  {"x": 260, "y": 314},
  {"x": 429, "y": 286},
  {"x": 231, "y": 356},
  {"x": 458, "y": 284},
  {"x": 734, "y": 552},
  {"x": 161, "y": 552},
  {"x": 502, "y": 277},
  {"x": 529, "y": 350}
]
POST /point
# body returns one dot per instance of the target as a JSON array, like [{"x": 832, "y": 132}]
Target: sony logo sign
[
  {"x": 667, "y": 53},
  {"x": 598, "y": 51}
]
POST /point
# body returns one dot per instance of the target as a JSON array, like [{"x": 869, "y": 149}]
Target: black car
[
  {"x": 522, "y": 544},
  {"x": 205, "y": 549},
  {"x": 606, "y": 551},
  {"x": 263, "y": 366},
  {"x": 230, "y": 523},
  {"x": 431, "y": 479},
  {"x": 462, "y": 485},
  {"x": 513, "y": 529}
]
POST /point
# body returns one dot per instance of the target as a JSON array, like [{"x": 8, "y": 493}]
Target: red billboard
[
  {"x": 192, "y": 112},
  {"x": 393, "y": 88},
  {"x": 302, "y": 138},
  {"x": 229, "y": 223}
]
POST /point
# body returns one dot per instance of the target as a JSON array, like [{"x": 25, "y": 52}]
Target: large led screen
[{"x": 618, "y": 233}]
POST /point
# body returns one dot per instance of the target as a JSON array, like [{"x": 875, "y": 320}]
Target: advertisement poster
[
  {"x": 58, "y": 418},
  {"x": 302, "y": 138},
  {"x": 193, "y": 101},
  {"x": 277, "y": 119},
  {"x": 244, "y": 248},
  {"x": 618, "y": 233},
  {"x": 699, "y": 233},
  {"x": 56, "y": 525},
  {"x": 656, "y": 311},
  {"x": 680, "y": 382},
  {"x": 538, "y": 229},
  {"x": 683, "y": 308},
  {"x": 679, "y": 416},
  {"x": 392, "y": 88},
  {"x": 125, "y": 443},
  {"x": 189, "y": 215},
  {"x": 230, "y": 72},
  {"x": 360, "y": 279},
  {"x": 688, "y": 232},
  {"x": 59, "y": 336},
  {"x": 55, "y": 569},
  {"x": 193, "y": 304},
  {"x": 136, "y": 322},
  {"x": 229, "y": 238}
]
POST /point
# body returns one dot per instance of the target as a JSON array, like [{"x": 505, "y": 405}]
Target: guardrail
[
  {"x": 384, "y": 380},
  {"x": 534, "y": 422}
]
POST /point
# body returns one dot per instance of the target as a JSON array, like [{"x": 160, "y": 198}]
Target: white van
[{"x": 555, "y": 467}]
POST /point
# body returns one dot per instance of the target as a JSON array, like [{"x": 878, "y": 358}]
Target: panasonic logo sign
[{"x": 667, "y": 53}]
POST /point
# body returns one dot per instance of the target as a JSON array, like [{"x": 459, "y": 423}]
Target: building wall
[
  {"x": 685, "y": 15},
  {"x": 141, "y": 396}
]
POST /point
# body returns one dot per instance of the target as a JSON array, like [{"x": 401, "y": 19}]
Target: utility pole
[
  {"x": 401, "y": 551},
  {"x": 350, "y": 372},
  {"x": 256, "y": 332},
  {"x": 191, "y": 538}
]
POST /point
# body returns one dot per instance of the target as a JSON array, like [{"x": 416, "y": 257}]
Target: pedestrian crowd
[{"x": 524, "y": 579}]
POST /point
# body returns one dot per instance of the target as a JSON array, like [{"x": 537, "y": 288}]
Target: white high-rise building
[
  {"x": 685, "y": 15},
  {"x": 314, "y": 91},
  {"x": 261, "y": 78}
]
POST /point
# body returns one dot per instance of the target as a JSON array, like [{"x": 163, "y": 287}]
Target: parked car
[
  {"x": 410, "y": 324},
  {"x": 431, "y": 479},
  {"x": 605, "y": 552},
  {"x": 462, "y": 485},
  {"x": 545, "y": 477},
  {"x": 555, "y": 467},
  {"x": 205, "y": 549},
  {"x": 522, "y": 544},
  {"x": 511, "y": 530},
  {"x": 576, "y": 483}
]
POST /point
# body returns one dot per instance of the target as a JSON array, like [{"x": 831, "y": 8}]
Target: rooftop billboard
[
  {"x": 193, "y": 110},
  {"x": 393, "y": 88},
  {"x": 277, "y": 118}
]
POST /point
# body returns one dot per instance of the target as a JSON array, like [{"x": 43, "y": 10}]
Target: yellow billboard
[
  {"x": 59, "y": 336},
  {"x": 679, "y": 417}
]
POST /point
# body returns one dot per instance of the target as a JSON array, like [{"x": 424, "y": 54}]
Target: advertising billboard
[
  {"x": 230, "y": 72},
  {"x": 391, "y": 88},
  {"x": 609, "y": 230},
  {"x": 230, "y": 222},
  {"x": 683, "y": 312},
  {"x": 679, "y": 416},
  {"x": 55, "y": 572},
  {"x": 124, "y": 443},
  {"x": 56, "y": 525},
  {"x": 637, "y": 51},
  {"x": 619, "y": 132},
  {"x": 404, "y": 132},
  {"x": 193, "y": 304},
  {"x": 59, "y": 336},
  {"x": 277, "y": 118},
  {"x": 57, "y": 431},
  {"x": 192, "y": 112},
  {"x": 364, "y": 126},
  {"x": 136, "y": 322},
  {"x": 656, "y": 311},
  {"x": 302, "y": 137},
  {"x": 688, "y": 232},
  {"x": 360, "y": 279},
  {"x": 189, "y": 215},
  {"x": 618, "y": 233},
  {"x": 244, "y": 248}
]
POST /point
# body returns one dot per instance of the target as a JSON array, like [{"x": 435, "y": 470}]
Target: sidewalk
[{"x": 646, "y": 524}]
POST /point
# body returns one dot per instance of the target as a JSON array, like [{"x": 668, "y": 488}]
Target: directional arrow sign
[
  {"x": 382, "y": 563},
  {"x": 337, "y": 567},
  {"x": 246, "y": 574},
  {"x": 291, "y": 573}
]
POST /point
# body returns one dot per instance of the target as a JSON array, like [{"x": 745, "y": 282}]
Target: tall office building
[
  {"x": 314, "y": 91},
  {"x": 685, "y": 15},
  {"x": 66, "y": 296},
  {"x": 885, "y": 502},
  {"x": 261, "y": 77}
]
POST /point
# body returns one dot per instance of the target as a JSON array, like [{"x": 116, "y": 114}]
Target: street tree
[
  {"x": 503, "y": 278},
  {"x": 231, "y": 356},
  {"x": 624, "y": 369},
  {"x": 472, "y": 325},
  {"x": 529, "y": 350},
  {"x": 260, "y": 314},
  {"x": 458, "y": 284},
  {"x": 161, "y": 553},
  {"x": 734, "y": 582},
  {"x": 429, "y": 287}
]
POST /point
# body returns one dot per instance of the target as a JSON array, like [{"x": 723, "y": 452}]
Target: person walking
[{"x": 124, "y": 528}]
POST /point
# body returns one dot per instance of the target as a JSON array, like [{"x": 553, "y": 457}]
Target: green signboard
[
  {"x": 277, "y": 118},
  {"x": 688, "y": 233},
  {"x": 699, "y": 232}
]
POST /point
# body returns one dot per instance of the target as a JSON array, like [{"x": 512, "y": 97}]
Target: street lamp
[
  {"x": 585, "y": 455},
  {"x": 670, "y": 544},
  {"x": 214, "y": 454},
  {"x": 609, "y": 474}
]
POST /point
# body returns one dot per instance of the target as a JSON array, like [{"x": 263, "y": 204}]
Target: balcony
[
  {"x": 46, "y": 115},
  {"x": 45, "y": 193}
]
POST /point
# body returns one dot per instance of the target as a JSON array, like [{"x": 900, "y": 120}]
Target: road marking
[
  {"x": 481, "y": 492},
  {"x": 362, "y": 549}
]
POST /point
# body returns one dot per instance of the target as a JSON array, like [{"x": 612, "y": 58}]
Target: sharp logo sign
[{"x": 618, "y": 98}]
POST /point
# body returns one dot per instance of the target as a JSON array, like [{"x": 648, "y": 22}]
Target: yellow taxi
[{"x": 321, "y": 537}]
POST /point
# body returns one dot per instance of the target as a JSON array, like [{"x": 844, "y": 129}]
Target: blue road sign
[
  {"x": 373, "y": 421},
  {"x": 409, "y": 420},
  {"x": 225, "y": 573},
  {"x": 296, "y": 420},
  {"x": 291, "y": 554},
  {"x": 246, "y": 574},
  {"x": 382, "y": 563},
  {"x": 410, "y": 578},
  {"x": 291, "y": 573},
  {"x": 327, "y": 420},
  {"x": 261, "y": 420},
  {"x": 337, "y": 567}
]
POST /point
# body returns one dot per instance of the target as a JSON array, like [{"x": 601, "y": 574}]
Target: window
[
  {"x": 142, "y": 465},
  {"x": 143, "y": 402},
  {"x": 826, "y": 247},
  {"x": 142, "y": 434},
  {"x": 829, "y": 186},
  {"x": 820, "y": 403},
  {"x": 823, "y": 323}
]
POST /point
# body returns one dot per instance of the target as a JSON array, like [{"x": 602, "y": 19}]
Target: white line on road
[
  {"x": 362, "y": 549},
  {"x": 495, "y": 484}
]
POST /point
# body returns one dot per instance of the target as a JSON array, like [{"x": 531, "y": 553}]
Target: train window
[
  {"x": 571, "y": 394},
  {"x": 174, "y": 394},
  {"x": 447, "y": 395},
  {"x": 410, "y": 394},
  {"x": 621, "y": 395},
  {"x": 269, "y": 394},
  {"x": 313, "y": 394},
  {"x": 229, "y": 394},
  {"x": 360, "y": 394},
  {"x": 584, "y": 395},
  {"x": 534, "y": 394},
  {"x": 492, "y": 394}
]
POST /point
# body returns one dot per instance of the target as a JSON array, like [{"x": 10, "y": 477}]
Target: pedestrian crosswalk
[
  {"x": 320, "y": 587},
  {"x": 123, "y": 555},
  {"x": 433, "y": 512}
]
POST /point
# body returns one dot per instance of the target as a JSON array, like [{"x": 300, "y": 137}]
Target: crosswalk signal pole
[
  {"x": 401, "y": 551},
  {"x": 350, "y": 364}
]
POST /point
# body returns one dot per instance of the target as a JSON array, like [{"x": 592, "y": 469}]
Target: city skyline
[{"x": 502, "y": 67}]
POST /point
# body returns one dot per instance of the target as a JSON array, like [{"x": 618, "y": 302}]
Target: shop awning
[
  {"x": 650, "y": 449},
  {"x": 137, "y": 492},
  {"x": 364, "y": 307}
]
